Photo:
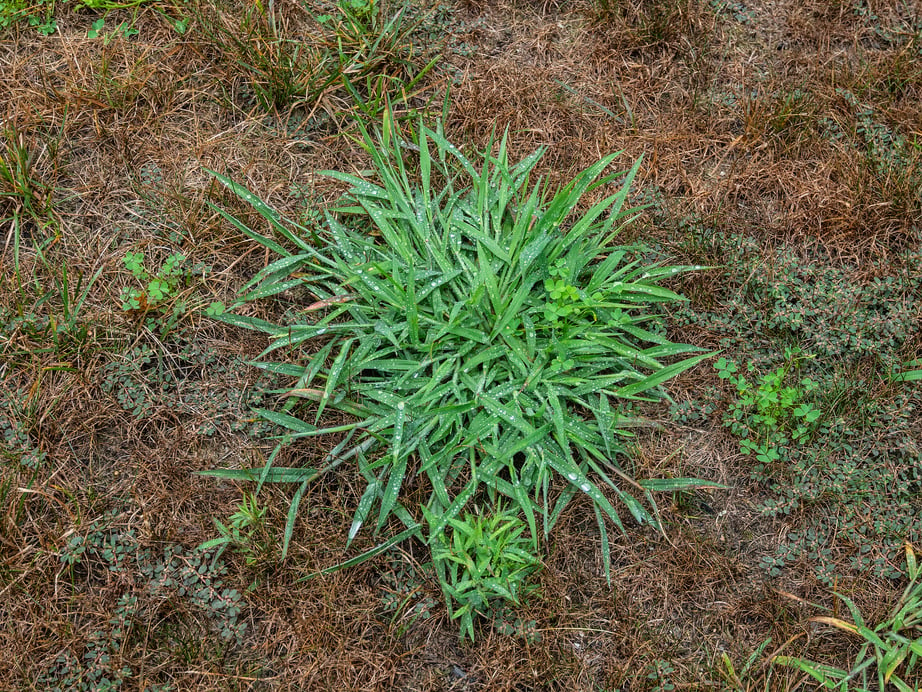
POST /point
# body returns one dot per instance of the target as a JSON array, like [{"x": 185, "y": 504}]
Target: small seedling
[
  {"x": 243, "y": 531},
  {"x": 769, "y": 413},
  {"x": 123, "y": 30},
  {"x": 742, "y": 679},
  {"x": 158, "y": 288},
  {"x": 488, "y": 562}
]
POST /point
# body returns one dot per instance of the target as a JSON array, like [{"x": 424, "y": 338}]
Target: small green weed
[
  {"x": 486, "y": 561},
  {"x": 564, "y": 299},
  {"x": 281, "y": 72},
  {"x": 162, "y": 298},
  {"x": 39, "y": 14},
  {"x": 812, "y": 304},
  {"x": 659, "y": 673},
  {"x": 890, "y": 653},
  {"x": 36, "y": 13},
  {"x": 159, "y": 287},
  {"x": 362, "y": 12},
  {"x": 786, "y": 116},
  {"x": 246, "y": 531},
  {"x": 896, "y": 29},
  {"x": 67, "y": 329},
  {"x": 437, "y": 339},
  {"x": 771, "y": 414},
  {"x": 122, "y": 30}
]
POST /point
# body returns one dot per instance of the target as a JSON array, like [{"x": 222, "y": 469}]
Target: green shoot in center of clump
[
  {"x": 488, "y": 560},
  {"x": 481, "y": 333}
]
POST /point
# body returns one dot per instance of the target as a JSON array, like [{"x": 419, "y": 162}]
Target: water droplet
[
  {"x": 401, "y": 405},
  {"x": 585, "y": 487},
  {"x": 572, "y": 476}
]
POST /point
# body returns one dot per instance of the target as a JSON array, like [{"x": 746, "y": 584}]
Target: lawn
[{"x": 477, "y": 346}]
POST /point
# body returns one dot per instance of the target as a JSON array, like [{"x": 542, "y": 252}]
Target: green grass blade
[
  {"x": 574, "y": 475},
  {"x": 246, "y": 230},
  {"x": 397, "y": 472},
  {"x": 247, "y": 323},
  {"x": 667, "y": 485},
  {"x": 368, "y": 554},
  {"x": 292, "y": 517},
  {"x": 828, "y": 676},
  {"x": 333, "y": 376},
  {"x": 275, "y": 475},
  {"x": 361, "y": 513},
  {"x": 606, "y": 549},
  {"x": 266, "y": 211},
  {"x": 657, "y": 378},
  {"x": 284, "y": 420}
]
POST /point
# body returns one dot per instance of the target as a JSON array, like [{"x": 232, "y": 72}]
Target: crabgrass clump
[
  {"x": 24, "y": 196},
  {"x": 356, "y": 55},
  {"x": 480, "y": 331},
  {"x": 487, "y": 561}
]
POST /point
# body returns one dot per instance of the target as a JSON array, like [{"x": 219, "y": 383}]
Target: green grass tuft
[{"x": 480, "y": 331}]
